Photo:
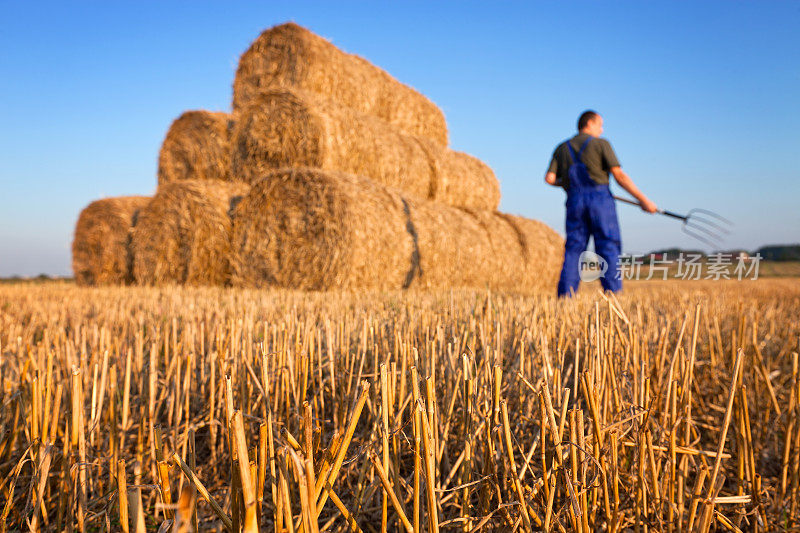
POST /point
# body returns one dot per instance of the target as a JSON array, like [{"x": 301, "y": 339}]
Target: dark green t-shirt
[{"x": 598, "y": 157}]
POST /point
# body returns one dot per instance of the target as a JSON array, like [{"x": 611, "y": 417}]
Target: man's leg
[
  {"x": 607, "y": 242},
  {"x": 577, "y": 239}
]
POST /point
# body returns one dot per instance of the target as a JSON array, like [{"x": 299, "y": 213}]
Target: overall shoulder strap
[
  {"x": 583, "y": 147},
  {"x": 575, "y": 158}
]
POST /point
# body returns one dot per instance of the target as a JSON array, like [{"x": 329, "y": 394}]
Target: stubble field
[{"x": 670, "y": 408}]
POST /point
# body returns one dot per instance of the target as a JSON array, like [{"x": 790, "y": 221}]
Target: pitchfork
[{"x": 701, "y": 224}]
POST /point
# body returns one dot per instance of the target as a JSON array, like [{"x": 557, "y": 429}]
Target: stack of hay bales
[
  {"x": 328, "y": 174},
  {"x": 353, "y": 184}
]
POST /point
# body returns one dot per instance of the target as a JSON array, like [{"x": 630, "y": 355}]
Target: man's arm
[
  {"x": 626, "y": 183},
  {"x": 550, "y": 177}
]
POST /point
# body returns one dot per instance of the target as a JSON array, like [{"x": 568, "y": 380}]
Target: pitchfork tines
[{"x": 701, "y": 224}]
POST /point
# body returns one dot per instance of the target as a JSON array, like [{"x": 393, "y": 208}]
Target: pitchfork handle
[
  {"x": 660, "y": 211},
  {"x": 671, "y": 214}
]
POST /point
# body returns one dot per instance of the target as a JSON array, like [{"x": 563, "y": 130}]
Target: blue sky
[{"x": 701, "y": 100}]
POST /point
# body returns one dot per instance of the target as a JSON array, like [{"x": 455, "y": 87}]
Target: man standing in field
[{"x": 581, "y": 166}]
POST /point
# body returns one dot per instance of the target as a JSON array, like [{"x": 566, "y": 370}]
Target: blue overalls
[{"x": 590, "y": 211}]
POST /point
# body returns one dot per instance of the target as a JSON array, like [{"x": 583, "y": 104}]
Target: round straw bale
[
  {"x": 294, "y": 229},
  {"x": 292, "y": 56},
  {"x": 183, "y": 235},
  {"x": 286, "y": 127},
  {"x": 314, "y": 229},
  {"x": 101, "y": 251},
  {"x": 197, "y": 146}
]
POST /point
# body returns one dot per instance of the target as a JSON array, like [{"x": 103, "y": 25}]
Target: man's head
[{"x": 591, "y": 122}]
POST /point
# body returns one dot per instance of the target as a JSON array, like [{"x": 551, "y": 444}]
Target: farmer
[{"x": 581, "y": 166}]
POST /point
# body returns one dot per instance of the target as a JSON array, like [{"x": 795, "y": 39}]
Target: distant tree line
[
  {"x": 780, "y": 252},
  {"x": 772, "y": 252}
]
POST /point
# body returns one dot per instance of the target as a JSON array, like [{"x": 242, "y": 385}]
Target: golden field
[{"x": 674, "y": 407}]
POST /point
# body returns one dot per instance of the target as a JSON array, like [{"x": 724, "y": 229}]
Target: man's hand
[
  {"x": 647, "y": 205},
  {"x": 550, "y": 178}
]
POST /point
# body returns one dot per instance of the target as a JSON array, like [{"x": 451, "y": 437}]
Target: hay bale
[
  {"x": 197, "y": 146},
  {"x": 101, "y": 251},
  {"x": 291, "y": 56},
  {"x": 286, "y": 127},
  {"x": 318, "y": 230},
  {"x": 183, "y": 235}
]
